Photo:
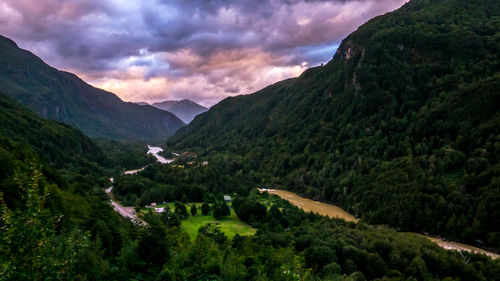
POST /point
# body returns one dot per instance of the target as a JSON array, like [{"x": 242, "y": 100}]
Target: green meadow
[{"x": 230, "y": 225}]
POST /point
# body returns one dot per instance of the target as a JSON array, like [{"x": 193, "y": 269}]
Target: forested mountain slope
[
  {"x": 28, "y": 141},
  {"x": 64, "y": 97},
  {"x": 57, "y": 142},
  {"x": 400, "y": 127},
  {"x": 56, "y": 223}
]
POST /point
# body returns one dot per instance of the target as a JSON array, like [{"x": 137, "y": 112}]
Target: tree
[
  {"x": 153, "y": 247},
  {"x": 375, "y": 266},
  {"x": 221, "y": 210},
  {"x": 213, "y": 231},
  {"x": 27, "y": 234},
  {"x": 246, "y": 208},
  {"x": 205, "y": 208},
  {"x": 217, "y": 212},
  {"x": 225, "y": 210},
  {"x": 194, "y": 210},
  {"x": 181, "y": 210}
]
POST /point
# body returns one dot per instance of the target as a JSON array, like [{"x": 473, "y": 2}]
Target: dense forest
[
  {"x": 56, "y": 223},
  {"x": 401, "y": 127}
]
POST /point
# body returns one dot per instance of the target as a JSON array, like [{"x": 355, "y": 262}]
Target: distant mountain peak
[{"x": 185, "y": 109}]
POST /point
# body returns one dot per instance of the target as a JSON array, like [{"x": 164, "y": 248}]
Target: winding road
[{"x": 129, "y": 212}]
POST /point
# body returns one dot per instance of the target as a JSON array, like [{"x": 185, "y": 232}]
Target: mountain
[
  {"x": 51, "y": 198},
  {"x": 401, "y": 127},
  {"x": 28, "y": 141},
  {"x": 57, "y": 143},
  {"x": 57, "y": 223},
  {"x": 185, "y": 109},
  {"x": 64, "y": 97}
]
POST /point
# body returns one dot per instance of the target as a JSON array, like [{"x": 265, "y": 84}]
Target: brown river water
[{"x": 333, "y": 211}]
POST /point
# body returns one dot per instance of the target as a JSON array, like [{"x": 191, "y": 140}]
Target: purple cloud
[{"x": 198, "y": 49}]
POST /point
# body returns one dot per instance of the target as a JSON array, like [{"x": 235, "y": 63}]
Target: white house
[
  {"x": 159, "y": 210},
  {"x": 227, "y": 198}
]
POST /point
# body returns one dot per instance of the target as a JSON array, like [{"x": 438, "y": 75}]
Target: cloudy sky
[{"x": 204, "y": 50}]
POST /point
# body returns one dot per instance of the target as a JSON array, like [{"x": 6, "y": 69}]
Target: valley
[
  {"x": 234, "y": 226},
  {"x": 333, "y": 211},
  {"x": 129, "y": 212},
  {"x": 333, "y": 146},
  {"x": 383, "y": 129},
  {"x": 309, "y": 205},
  {"x": 229, "y": 226}
]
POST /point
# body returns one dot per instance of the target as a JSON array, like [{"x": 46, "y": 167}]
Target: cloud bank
[{"x": 204, "y": 50}]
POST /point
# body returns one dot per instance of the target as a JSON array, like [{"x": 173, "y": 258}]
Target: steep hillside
[
  {"x": 55, "y": 142},
  {"x": 185, "y": 109},
  {"x": 58, "y": 152},
  {"x": 53, "y": 209},
  {"x": 400, "y": 127},
  {"x": 64, "y": 97}
]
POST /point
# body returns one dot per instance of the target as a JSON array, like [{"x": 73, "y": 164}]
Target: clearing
[{"x": 230, "y": 225}]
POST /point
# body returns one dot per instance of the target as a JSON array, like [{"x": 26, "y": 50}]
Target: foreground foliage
[{"x": 57, "y": 223}]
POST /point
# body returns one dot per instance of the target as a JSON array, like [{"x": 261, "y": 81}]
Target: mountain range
[
  {"x": 64, "y": 97},
  {"x": 401, "y": 127},
  {"x": 185, "y": 109}
]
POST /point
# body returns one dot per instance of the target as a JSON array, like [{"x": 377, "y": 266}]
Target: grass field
[{"x": 231, "y": 225}]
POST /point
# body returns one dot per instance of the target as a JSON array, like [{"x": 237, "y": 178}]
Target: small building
[
  {"x": 204, "y": 163},
  {"x": 159, "y": 210},
  {"x": 227, "y": 198},
  {"x": 153, "y": 204}
]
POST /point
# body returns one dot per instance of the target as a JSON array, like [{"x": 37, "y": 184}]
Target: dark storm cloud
[{"x": 215, "y": 47}]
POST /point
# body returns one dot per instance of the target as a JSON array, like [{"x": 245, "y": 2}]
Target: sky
[{"x": 203, "y": 50}]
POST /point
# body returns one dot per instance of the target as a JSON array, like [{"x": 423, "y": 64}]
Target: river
[
  {"x": 129, "y": 212},
  {"x": 309, "y": 205},
  {"x": 333, "y": 211},
  {"x": 155, "y": 150},
  {"x": 306, "y": 204}
]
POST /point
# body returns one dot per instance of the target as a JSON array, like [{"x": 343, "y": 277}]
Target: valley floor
[
  {"x": 333, "y": 211},
  {"x": 233, "y": 225}
]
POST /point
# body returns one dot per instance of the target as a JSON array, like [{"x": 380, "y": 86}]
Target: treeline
[
  {"x": 52, "y": 203},
  {"x": 54, "y": 231},
  {"x": 301, "y": 245},
  {"x": 158, "y": 183},
  {"x": 125, "y": 155},
  {"x": 400, "y": 127}
]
